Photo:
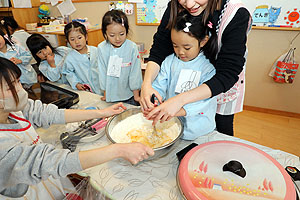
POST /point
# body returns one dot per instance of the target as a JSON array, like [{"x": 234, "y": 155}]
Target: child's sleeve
[
  {"x": 135, "y": 77},
  {"x": 160, "y": 84},
  {"x": 53, "y": 74},
  {"x": 23, "y": 55},
  {"x": 69, "y": 71},
  {"x": 30, "y": 164},
  {"x": 102, "y": 66},
  {"x": 43, "y": 115},
  {"x": 202, "y": 107}
]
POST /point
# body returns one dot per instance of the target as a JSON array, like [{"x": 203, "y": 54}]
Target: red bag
[{"x": 286, "y": 70}]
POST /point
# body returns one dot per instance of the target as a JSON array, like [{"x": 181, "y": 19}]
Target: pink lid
[{"x": 201, "y": 174}]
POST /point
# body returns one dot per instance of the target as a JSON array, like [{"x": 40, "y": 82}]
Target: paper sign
[
  {"x": 114, "y": 66},
  {"x": 22, "y": 4},
  {"x": 188, "y": 79},
  {"x": 66, "y": 8},
  {"x": 54, "y": 2}
]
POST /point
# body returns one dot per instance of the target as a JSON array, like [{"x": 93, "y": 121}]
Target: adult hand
[
  {"x": 166, "y": 110},
  {"x": 135, "y": 152},
  {"x": 146, "y": 93},
  {"x": 113, "y": 110}
]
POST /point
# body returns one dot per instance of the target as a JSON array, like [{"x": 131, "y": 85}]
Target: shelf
[
  {"x": 8, "y": 9},
  {"x": 275, "y": 28}
]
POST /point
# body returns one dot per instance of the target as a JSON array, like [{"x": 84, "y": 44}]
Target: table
[{"x": 150, "y": 179}]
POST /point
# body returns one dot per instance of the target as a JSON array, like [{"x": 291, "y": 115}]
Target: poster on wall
[
  {"x": 150, "y": 12},
  {"x": 274, "y": 13}
]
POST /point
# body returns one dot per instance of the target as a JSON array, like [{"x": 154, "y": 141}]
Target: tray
[{"x": 49, "y": 93}]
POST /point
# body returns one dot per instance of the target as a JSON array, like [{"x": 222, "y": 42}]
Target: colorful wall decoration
[
  {"x": 150, "y": 12},
  {"x": 273, "y": 13}
]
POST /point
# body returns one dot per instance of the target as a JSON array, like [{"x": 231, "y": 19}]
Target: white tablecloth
[{"x": 155, "y": 180}]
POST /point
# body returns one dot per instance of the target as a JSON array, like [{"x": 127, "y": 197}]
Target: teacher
[{"x": 232, "y": 22}]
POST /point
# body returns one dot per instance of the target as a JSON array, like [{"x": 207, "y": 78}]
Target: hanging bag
[{"x": 286, "y": 69}]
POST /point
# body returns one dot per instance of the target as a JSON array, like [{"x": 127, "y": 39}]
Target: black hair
[
  {"x": 114, "y": 16},
  {"x": 6, "y": 39},
  {"x": 9, "y": 22},
  {"x": 199, "y": 30},
  {"x": 10, "y": 73},
  {"x": 37, "y": 42},
  {"x": 176, "y": 8},
  {"x": 75, "y": 26}
]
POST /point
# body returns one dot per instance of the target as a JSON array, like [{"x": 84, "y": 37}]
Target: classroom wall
[
  {"x": 265, "y": 46},
  {"x": 94, "y": 12}
]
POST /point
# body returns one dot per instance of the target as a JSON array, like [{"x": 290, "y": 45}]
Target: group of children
[{"x": 111, "y": 69}]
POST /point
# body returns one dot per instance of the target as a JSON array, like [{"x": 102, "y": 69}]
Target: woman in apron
[
  {"x": 31, "y": 169},
  {"x": 232, "y": 22}
]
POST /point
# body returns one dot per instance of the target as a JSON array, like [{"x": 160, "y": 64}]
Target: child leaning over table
[
  {"x": 188, "y": 67},
  {"x": 31, "y": 169}
]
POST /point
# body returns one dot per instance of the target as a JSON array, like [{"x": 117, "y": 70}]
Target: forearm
[
  {"x": 72, "y": 115},
  {"x": 196, "y": 94},
  {"x": 98, "y": 156},
  {"x": 152, "y": 70},
  {"x": 181, "y": 112},
  {"x": 136, "y": 94}
]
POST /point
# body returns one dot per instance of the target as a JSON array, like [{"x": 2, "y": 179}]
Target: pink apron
[{"x": 231, "y": 101}]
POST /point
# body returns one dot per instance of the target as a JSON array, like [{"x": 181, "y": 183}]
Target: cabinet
[
  {"x": 94, "y": 37},
  {"x": 22, "y": 15}
]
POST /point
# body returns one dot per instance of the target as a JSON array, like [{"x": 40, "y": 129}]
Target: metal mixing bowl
[{"x": 160, "y": 151}]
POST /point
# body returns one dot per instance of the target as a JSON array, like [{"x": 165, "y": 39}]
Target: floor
[{"x": 275, "y": 131}]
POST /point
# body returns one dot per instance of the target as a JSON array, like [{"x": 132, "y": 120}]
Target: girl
[
  {"x": 187, "y": 68},
  {"x": 81, "y": 65},
  {"x": 20, "y": 57},
  {"x": 119, "y": 61},
  {"x": 17, "y": 34},
  {"x": 232, "y": 21},
  {"x": 50, "y": 61},
  {"x": 31, "y": 169}
]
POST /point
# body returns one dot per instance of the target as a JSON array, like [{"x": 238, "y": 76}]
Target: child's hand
[
  {"x": 113, "y": 110},
  {"x": 137, "y": 98},
  {"x": 104, "y": 97},
  {"x": 15, "y": 60},
  {"x": 41, "y": 78},
  {"x": 51, "y": 61},
  {"x": 80, "y": 86},
  {"x": 135, "y": 152}
]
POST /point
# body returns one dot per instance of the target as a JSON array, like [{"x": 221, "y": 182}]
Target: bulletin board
[
  {"x": 150, "y": 12},
  {"x": 274, "y": 12}
]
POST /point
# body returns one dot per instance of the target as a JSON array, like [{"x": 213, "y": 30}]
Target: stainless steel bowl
[{"x": 160, "y": 151}]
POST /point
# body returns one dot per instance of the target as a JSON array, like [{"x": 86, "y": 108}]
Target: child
[
  {"x": 81, "y": 64},
  {"x": 50, "y": 61},
  {"x": 119, "y": 61},
  {"x": 32, "y": 169},
  {"x": 20, "y": 57},
  {"x": 188, "y": 68},
  {"x": 17, "y": 34}
]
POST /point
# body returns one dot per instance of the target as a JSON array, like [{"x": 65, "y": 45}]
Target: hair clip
[
  {"x": 186, "y": 29},
  {"x": 122, "y": 21},
  {"x": 2, "y": 22},
  {"x": 210, "y": 25}
]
